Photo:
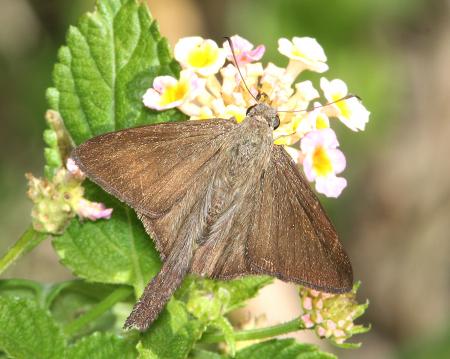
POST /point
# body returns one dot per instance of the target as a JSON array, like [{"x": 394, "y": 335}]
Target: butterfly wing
[
  {"x": 292, "y": 238},
  {"x": 151, "y": 168}
]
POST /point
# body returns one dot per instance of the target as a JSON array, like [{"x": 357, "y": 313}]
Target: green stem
[
  {"x": 118, "y": 295},
  {"x": 259, "y": 333},
  {"x": 29, "y": 240}
]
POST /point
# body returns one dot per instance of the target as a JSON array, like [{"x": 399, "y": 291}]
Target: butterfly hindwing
[{"x": 292, "y": 237}]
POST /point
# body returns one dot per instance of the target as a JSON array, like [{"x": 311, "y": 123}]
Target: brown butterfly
[{"x": 220, "y": 200}]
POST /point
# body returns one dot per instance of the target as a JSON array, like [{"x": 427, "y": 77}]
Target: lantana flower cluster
[
  {"x": 58, "y": 197},
  {"x": 58, "y": 200},
  {"x": 332, "y": 315},
  {"x": 209, "y": 86}
]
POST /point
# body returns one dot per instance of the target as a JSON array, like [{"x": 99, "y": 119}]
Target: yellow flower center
[
  {"x": 203, "y": 55},
  {"x": 297, "y": 53},
  {"x": 343, "y": 106},
  {"x": 321, "y": 122},
  {"x": 322, "y": 162},
  {"x": 174, "y": 93},
  {"x": 239, "y": 116}
]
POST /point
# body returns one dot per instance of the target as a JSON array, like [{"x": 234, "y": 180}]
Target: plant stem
[
  {"x": 29, "y": 240},
  {"x": 259, "y": 333},
  {"x": 118, "y": 295}
]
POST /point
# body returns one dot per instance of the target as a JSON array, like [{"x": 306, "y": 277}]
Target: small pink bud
[
  {"x": 307, "y": 303},
  {"x": 307, "y": 321},
  {"x": 73, "y": 169},
  {"x": 331, "y": 325},
  {"x": 321, "y": 332},
  {"x": 93, "y": 210},
  {"x": 319, "y": 304}
]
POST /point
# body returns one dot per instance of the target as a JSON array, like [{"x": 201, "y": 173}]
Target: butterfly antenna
[
  {"x": 237, "y": 66},
  {"x": 349, "y": 96}
]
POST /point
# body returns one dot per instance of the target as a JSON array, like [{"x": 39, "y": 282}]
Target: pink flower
[
  {"x": 92, "y": 210},
  {"x": 307, "y": 303},
  {"x": 73, "y": 169},
  {"x": 322, "y": 161},
  {"x": 243, "y": 50},
  {"x": 306, "y": 319}
]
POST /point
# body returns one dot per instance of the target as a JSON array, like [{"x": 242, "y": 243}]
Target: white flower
[
  {"x": 318, "y": 117},
  {"x": 199, "y": 55},
  {"x": 303, "y": 51},
  {"x": 306, "y": 90},
  {"x": 276, "y": 83},
  {"x": 350, "y": 112},
  {"x": 168, "y": 92}
]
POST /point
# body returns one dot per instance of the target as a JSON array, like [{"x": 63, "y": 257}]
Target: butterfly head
[{"x": 268, "y": 113}]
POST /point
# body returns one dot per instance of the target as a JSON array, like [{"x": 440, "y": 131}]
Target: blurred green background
[{"x": 394, "y": 217}]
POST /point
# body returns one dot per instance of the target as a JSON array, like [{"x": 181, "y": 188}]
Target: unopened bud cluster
[
  {"x": 332, "y": 315},
  {"x": 59, "y": 197}
]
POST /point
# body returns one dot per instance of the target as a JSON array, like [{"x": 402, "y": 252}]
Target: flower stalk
[
  {"x": 28, "y": 241},
  {"x": 119, "y": 295},
  {"x": 258, "y": 333}
]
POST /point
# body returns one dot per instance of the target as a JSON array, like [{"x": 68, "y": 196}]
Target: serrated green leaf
[
  {"x": 244, "y": 288},
  {"x": 27, "y": 331},
  {"x": 173, "y": 334},
  {"x": 239, "y": 290},
  {"x": 115, "y": 251},
  {"x": 102, "y": 346},
  {"x": 109, "y": 61},
  {"x": 282, "y": 349}
]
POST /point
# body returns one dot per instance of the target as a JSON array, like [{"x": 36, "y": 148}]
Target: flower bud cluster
[{"x": 332, "y": 315}]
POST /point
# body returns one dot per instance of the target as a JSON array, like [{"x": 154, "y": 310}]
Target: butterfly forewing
[
  {"x": 151, "y": 167},
  {"x": 292, "y": 238}
]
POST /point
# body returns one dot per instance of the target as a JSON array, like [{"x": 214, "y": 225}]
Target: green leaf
[
  {"x": 21, "y": 288},
  {"x": 204, "y": 354},
  {"x": 102, "y": 346},
  {"x": 69, "y": 300},
  {"x": 282, "y": 349},
  {"x": 244, "y": 288},
  {"x": 173, "y": 334},
  {"x": 27, "y": 331},
  {"x": 109, "y": 61},
  {"x": 115, "y": 251},
  {"x": 239, "y": 290}
]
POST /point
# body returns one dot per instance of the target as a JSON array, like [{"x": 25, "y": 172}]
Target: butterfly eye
[
  {"x": 249, "y": 109},
  {"x": 276, "y": 122}
]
